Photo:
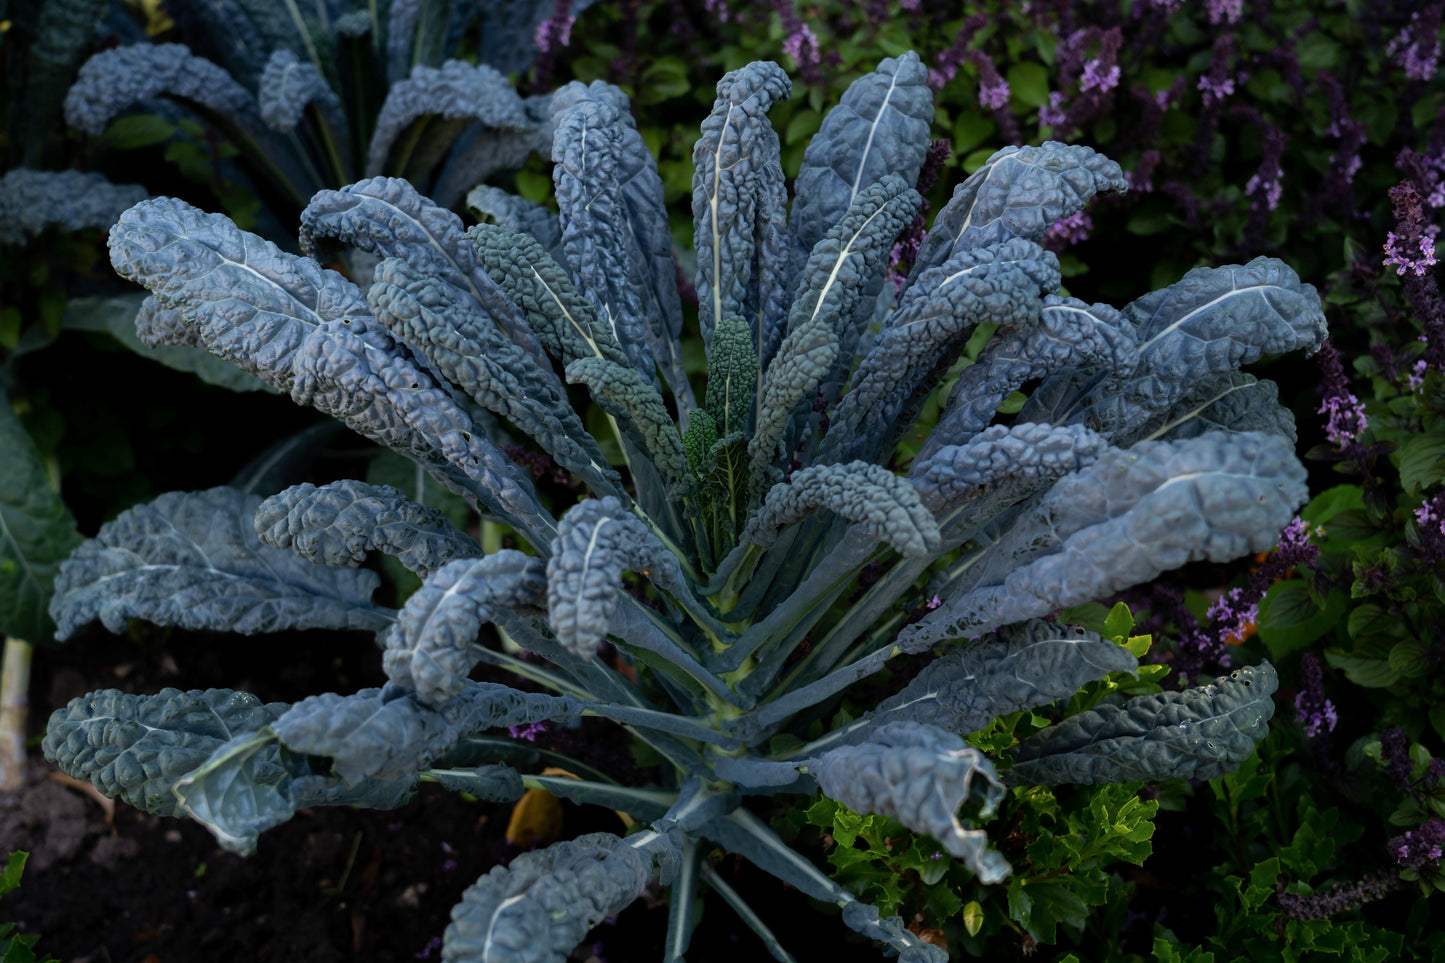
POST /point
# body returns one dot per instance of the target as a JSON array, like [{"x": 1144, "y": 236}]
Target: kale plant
[
  {"x": 303, "y": 97},
  {"x": 747, "y": 521}
]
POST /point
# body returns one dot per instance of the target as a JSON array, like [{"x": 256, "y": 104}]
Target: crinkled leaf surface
[
  {"x": 597, "y": 540},
  {"x": 1194, "y": 333},
  {"x": 309, "y": 331},
  {"x": 141, "y": 324},
  {"x": 887, "y": 506},
  {"x": 1199, "y": 733},
  {"x": 31, "y": 201},
  {"x": 115, "y": 80},
  {"x": 1069, "y": 335},
  {"x": 136, "y": 747},
  {"x": 1239, "y": 402},
  {"x": 467, "y": 349},
  {"x": 999, "y": 466},
  {"x": 428, "y": 649},
  {"x": 382, "y": 735},
  {"x": 1020, "y": 667},
  {"x": 592, "y": 148},
  {"x": 1122, "y": 520},
  {"x": 389, "y": 218},
  {"x": 541, "y": 905},
  {"x": 737, "y": 200},
  {"x": 492, "y": 205},
  {"x": 192, "y": 559},
  {"x": 455, "y": 91},
  {"x": 1018, "y": 192},
  {"x": 1001, "y": 284},
  {"x": 879, "y": 127},
  {"x": 289, "y": 86},
  {"x": 920, "y": 774},
  {"x": 337, "y": 524},
  {"x": 562, "y": 318}
]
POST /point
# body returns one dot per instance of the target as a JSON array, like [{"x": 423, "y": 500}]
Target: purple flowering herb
[
  {"x": 1335, "y": 191},
  {"x": 1233, "y": 614},
  {"x": 1264, "y": 186},
  {"x": 946, "y": 64},
  {"x": 1407, "y": 253},
  {"x": 1346, "y": 415},
  {"x": 1099, "y": 77},
  {"x": 905, "y": 249},
  {"x": 1218, "y": 82},
  {"x": 1141, "y": 178},
  {"x": 1053, "y": 114},
  {"x": 799, "y": 42},
  {"x": 1413, "y": 234},
  {"x": 1319, "y": 906},
  {"x": 1430, "y": 520},
  {"x": 1224, "y": 11},
  {"x": 719, "y": 9},
  {"x": 993, "y": 90},
  {"x": 1419, "y": 846},
  {"x": 1067, "y": 231},
  {"x": 432, "y": 945},
  {"x": 1314, "y": 711},
  {"x": 1395, "y": 754},
  {"x": 1416, "y": 48},
  {"x": 1201, "y": 649},
  {"x": 1416, "y": 379},
  {"x": 529, "y": 732}
]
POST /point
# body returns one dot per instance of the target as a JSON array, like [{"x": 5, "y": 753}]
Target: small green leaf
[
  {"x": 971, "y": 130},
  {"x": 1138, "y": 645},
  {"x": 803, "y": 125},
  {"x": 973, "y": 917},
  {"x": 1118, "y": 623},
  {"x": 533, "y": 186},
  {"x": 1330, "y": 502},
  {"x": 137, "y": 131},
  {"x": 1028, "y": 84},
  {"x": 10, "y": 878},
  {"x": 1370, "y": 673},
  {"x": 1422, "y": 462},
  {"x": 1289, "y": 619},
  {"x": 1410, "y": 658}
]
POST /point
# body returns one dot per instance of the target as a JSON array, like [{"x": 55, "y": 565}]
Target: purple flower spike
[
  {"x": 1420, "y": 845},
  {"x": 1416, "y": 48},
  {"x": 1314, "y": 711}
]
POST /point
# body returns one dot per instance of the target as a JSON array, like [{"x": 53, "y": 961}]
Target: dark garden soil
[{"x": 331, "y": 884}]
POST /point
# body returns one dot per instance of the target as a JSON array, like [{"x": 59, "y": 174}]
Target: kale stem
[{"x": 339, "y": 169}]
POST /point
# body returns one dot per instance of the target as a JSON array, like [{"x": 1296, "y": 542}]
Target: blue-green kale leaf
[
  {"x": 337, "y": 524},
  {"x": 192, "y": 559},
  {"x": 1198, "y": 733}
]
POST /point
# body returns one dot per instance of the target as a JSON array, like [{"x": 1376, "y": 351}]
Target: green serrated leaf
[
  {"x": 1410, "y": 658},
  {"x": 1370, "y": 673},
  {"x": 1289, "y": 619},
  {"x": 1422, "y": 462}
]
